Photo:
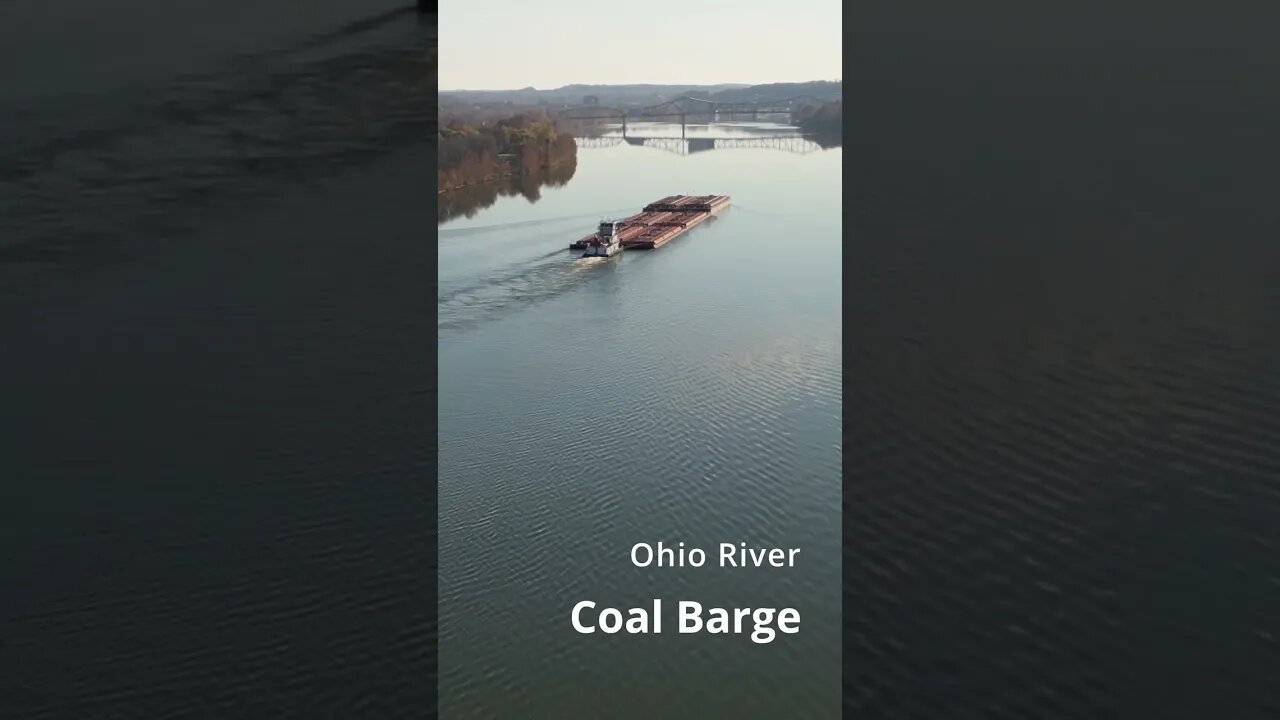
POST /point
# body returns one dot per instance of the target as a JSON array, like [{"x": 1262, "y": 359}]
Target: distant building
[{"x": 590, "y": 100}]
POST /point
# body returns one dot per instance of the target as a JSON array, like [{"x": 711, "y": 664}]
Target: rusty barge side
[{"x": 662, "y": 221}]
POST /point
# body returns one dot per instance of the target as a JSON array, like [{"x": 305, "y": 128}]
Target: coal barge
[{"x": 658, "y": 224}]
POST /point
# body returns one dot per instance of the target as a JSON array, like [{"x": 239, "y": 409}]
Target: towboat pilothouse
[{"x": 606, "y": 243}]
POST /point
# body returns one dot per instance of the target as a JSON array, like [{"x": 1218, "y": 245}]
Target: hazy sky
[{"x": 508, "y": 44}]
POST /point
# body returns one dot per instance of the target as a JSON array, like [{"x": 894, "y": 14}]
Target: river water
[
  {"x": 115, "y": 129},
  {"x": 1063, "y": 443},
  {"x": 212, "y": 250},
  {"x": 690, "y": 394}
]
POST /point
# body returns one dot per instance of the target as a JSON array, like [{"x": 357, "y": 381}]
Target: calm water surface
[{"x": 690, "y": 394}]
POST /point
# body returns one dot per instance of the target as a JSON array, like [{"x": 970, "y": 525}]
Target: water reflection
[
  {"x": 828, "y": 140},
  {"x": 691, "y": 138},
  {"x": 687, "y": 139},
  {"x": 795, "y": 143},
  {"x": 466, "y": 202}
]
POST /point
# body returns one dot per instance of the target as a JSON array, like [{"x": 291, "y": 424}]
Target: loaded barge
[{"x": 658, "y": 224}]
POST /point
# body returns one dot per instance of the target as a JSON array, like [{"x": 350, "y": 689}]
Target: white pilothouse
[{"x": 606, "y": 242}]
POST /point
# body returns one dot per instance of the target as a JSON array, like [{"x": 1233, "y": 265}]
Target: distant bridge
[
  {"x": 690, "y": 106},
  {"x": 797, "y": 144}
]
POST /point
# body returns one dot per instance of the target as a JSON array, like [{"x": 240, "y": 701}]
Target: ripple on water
[
  {"x": 231, "y": 520},
  {"x": 261, "y": 125},
  {"x": 1060, "y": 499},
  {"x": 648, "y": 398}
]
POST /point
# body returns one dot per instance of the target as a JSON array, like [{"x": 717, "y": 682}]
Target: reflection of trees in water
[
  {"x": 828, "y": 139},
  {"x": 466, "y": 202}
]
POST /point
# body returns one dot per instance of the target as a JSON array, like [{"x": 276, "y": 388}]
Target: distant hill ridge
[
  {"x": 651, "y": 93},
  {"x": 821, "y": 89}
]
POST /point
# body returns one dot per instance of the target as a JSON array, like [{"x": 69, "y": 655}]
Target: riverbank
[
  {"x": 826, "y": 120},
  {"x": 473, "y": 155}
]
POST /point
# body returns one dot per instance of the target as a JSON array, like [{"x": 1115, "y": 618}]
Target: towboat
[{"x": 606, "y": 242}]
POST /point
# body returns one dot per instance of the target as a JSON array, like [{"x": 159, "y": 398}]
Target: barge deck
[{"x": 660, "y": 222}]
